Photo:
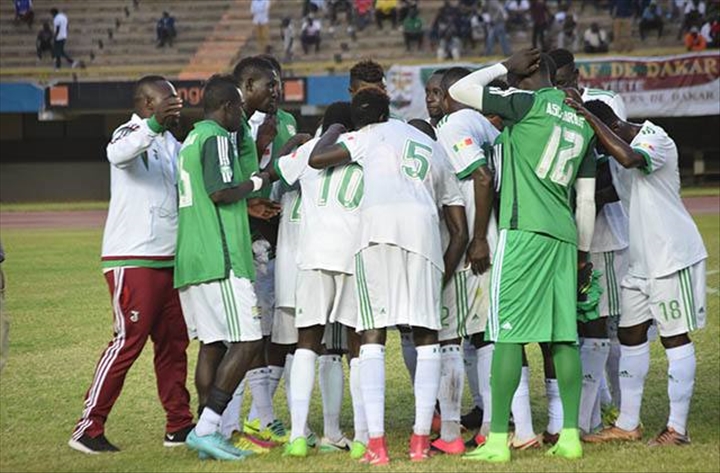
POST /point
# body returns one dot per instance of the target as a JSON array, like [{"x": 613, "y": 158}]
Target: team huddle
[{"x": 524, "y": 210}]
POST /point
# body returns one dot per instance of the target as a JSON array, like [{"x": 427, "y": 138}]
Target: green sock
[
  {"x": 504, "y": 380},
  {"x": 566, "y": 358}
]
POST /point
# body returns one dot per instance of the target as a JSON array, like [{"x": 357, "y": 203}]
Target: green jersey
[
  {"x": 286, "y": 129},
  {"x": 212, "y": 238},
  {"x": 544, "y": 148}
]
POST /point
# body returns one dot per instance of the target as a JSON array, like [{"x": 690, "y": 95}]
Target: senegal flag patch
[{"x": 462, "y": 144}]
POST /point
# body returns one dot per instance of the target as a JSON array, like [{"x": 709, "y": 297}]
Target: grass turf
[{"x": 61, "y": 321}]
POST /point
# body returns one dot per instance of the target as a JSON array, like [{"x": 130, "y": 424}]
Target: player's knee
[
  {"x": 634, "y": 335},
  {"x": 594, "y": 329},
  {"x": 373, "y": 336},
  {"x": 423, "y": 336},
  {"x": 675, "y": 341}
]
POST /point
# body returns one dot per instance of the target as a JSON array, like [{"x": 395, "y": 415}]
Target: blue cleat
[{"x": 215, "y": 446}]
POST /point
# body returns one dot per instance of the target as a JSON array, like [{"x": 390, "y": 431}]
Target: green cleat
[
  {"x": 494, "y": 450},
  {"x": 568, "y": 445},
  {"x": 296, "y": 448},
  {"x": 357, "y": 450}
]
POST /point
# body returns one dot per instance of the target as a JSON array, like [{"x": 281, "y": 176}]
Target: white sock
[
  {"x": 634, "y": 366},
  {"x": 450, "y": 391},
  {"x": 681, "y": 379},
  {"x": 555, "y": 411},
  {"x": 372, "y": 383},
  {"x": 604, "y": 392},
  {"x": 359, "y": 419},
  {"x": 470, "y": 362},
  {"x": 596, "y": 419},
  {"x": 484, "y": 363},
  {"x": 612, "y": 370},
  {"x": 302, "y": 381},
  {"x": 208, "y": 423},
  {"x": 409, "y": 353},
  {"x": 522, "y": 414},
  {"x": 427, "y": 383},
  {"x": 230, "y": 421},
  {"x": 593, "y": 357},
  {"x": 261, "y": 407},
  {"x": 330, "y": 377},
  {"x": 275, "y": 374},
  {"x": 288, "y": 386}
]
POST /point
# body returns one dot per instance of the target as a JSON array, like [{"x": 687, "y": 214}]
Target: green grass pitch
[{"x": 61, "y": 321}]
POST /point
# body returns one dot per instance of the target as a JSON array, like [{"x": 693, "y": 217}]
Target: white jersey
[
  {"x": 60, "y": 23},
  {"x": 330, "y": 210},
  {"x": 142, "y": 218},
  {"x": 399, "y": 204},
  {"x": 287, "y": 243},
  {"x": 462, "y": 135},
  {"x": 611, "y": 224},
  {"x": 663, "y": 236}
]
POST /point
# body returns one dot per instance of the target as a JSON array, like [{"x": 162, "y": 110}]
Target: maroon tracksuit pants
[{"x": 145, "y": 304}]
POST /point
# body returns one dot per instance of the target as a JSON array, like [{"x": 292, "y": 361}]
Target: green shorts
[{"x": 533, "y": 291}]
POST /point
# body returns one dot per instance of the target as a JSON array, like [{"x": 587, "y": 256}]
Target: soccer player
[
  {"x": 138, "y": 255},
  {"x": 608, "y": 252},
  {"x": 666, "y": 273},
  {"x": 534, "y": 279},
  {"x": 399, "y": 266},
  {"x": 214, "y": 269},
  {"x": 433, "y": 97}
]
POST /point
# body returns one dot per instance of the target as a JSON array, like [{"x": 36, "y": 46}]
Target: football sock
[
  {"x": 604, "y": 391},
  {"x": 596, "y": 419},
  {"x": 681, "y": 379},
  {"x": 275, "y": 374},
  {"x": 261, "y": 407},
  {"x": 634, "y": 366},
  {"x": 522, "y": 414},
  {"x": 427, "y": 383},
  {"x": 372, "y": 383},
  {"x": 302, "y": 382},
  {"x": 568, "y": 370},
  {"x": 504, "y": 381},
  {"x": 211, "y": 416},
  {"x": 613, "y": 372},
  {"x": 288, "y": 374},
  {"x": 330, "y": 377},
  {"x": 593, "y": 357},
  {"x": 409, "y": 353},
  {"x": 231, "y": 415},
  {"x": 470, "y": 362},
  {"x": 555, "y": 413},
  {"x": 484, "y": 366},
  {"x": 359, "y": 419},
  {"x": 450, "y": 391}
]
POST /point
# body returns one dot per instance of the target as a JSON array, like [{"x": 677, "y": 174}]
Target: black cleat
[
  {"x": 92, "y": 445},
  {"x": 473, "y": 419},
  {"x": 177, "y": 438}
]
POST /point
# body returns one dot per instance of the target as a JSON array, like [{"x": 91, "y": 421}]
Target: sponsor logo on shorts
[
  {"x": 506, "y": 326},
  {"x": 134, "y": 315}
]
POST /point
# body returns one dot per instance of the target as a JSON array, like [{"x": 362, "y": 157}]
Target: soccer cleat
[
  {"x": 312, "y": 440},
  {"x": 177, "y": 438},
  {"x": 376, "y": 452},
  {"x": 568, "y": 445},
  {"x": 668, "y": 437},
  {"x": 609, "y": 414},
  {"x": 244, "y": 442},
  {"x": 475, "y": 441},
  {"x": 419, "y": 447},
  {"x": 296, "y": 448},
  {"x": 516, "y": 444},
  {"x": 494, "y": 450},
  {"x": 613, "y": 433},
  {"x": 549, "y": 439},
  {"x": 334, "y": 446},
  {"x": 357, "y": 450},
  {"x": 473, "y": 419},
  {"x": 456, "y": 447},
  {"x": 215, "y": 446},
  {"x": 274, "y": 432},
  {"x": 93, "y": 445}
]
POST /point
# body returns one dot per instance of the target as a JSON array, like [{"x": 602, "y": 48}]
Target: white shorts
[
  {"x": 465, "y": 305},
  {"x": 285, "y": 280},
  {"x": 284, "y": 331},
  {"x": 396, "y": 287},
  {"x": 676, "y": 302},
  {"x": 265, "y": 290},
  {"x": 221, "y": 311},
  {"x": 613, "y": 265},
  {"x": 323, "y": 297}
]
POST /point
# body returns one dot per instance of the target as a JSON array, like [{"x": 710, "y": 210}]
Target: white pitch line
[
  {"x": 711, "y": 290},
  {"x": 712, "y": 271}
]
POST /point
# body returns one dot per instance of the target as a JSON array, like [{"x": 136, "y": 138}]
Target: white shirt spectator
[
  {"x": 312, "y": 26},
  {"x": 517, "y": 5},
  {"x": 690, "y": 6},
  {"x": 60, "y": 23},
  {"x": 705, "y": 31},
  {"x": 595, "y": 39},
  {"x": 260, "y": 10}
]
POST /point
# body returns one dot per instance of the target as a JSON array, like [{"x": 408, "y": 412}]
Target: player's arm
[
  {"x": 327, "y": 152},
  {"x": 457, "y": 227},
  {"x": 478, "y": 252},
  {"x": 605, "y": 192},
  {"x": 585, "y": 218}
]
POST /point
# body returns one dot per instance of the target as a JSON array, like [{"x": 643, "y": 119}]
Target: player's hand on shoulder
[
  {"x": 167, "y": 111},
  {"x": 261, "y": 208},
  {"x": 523, "y": 62}
]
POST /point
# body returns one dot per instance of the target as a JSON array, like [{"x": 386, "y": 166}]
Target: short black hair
[
  {"x": 338, "y": 112},
  {"x": 219, "y": 90},
  {"x": 453, "y": 75},
  {"x": 602, "y": 111},
  {"x": 423, "y": 126},
  {"x": 367, "y": 70},
  {"x": 143, "y": 82},
  {"x": 562, "y": 57},
  {"x": 251, "y": 67},
  {"x": 370, "y": 105},
  {"x": 54, "y": 11},
  {"x": 272, "y": 60}
]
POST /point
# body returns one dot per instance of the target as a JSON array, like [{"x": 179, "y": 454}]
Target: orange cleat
[
  {"x": 376, "y": 453},
  {"x": 419, "y": 447},
  {"x": 456, "y": 447}
]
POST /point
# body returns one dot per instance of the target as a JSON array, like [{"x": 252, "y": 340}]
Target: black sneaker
[
  {"x": 177, "y": 438},
  {"x": 92, "y": 445},
  {"x": 473, "y": 419}
]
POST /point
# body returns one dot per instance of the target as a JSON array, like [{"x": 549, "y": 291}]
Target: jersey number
[
  {"x": 416, "y": 160},
  {"x": 350, "y": 190},
  {"x": 295, "y": 208},
  {"x": 562, "y": 171}
]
